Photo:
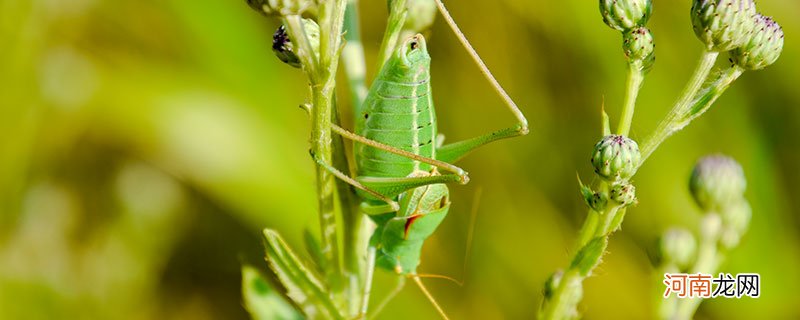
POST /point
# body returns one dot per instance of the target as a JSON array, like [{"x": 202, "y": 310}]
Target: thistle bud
[
  {"x": 678, "y": 246},
  {"x": 282, "y": 7},
  {"x": 596, "y": 201},
  {"x": 284, "y": 49},
  {"x": 735, "y": 221},
  {"x": 624, "y": 15},
  {"x": 623, "y": 193},
  {"x": 737, "y": 217},
  {"x": 762, "y": 48},
  {"x": 615, "y": 157},
  {"x": 723, "y": 25},
  {"x": 639, "y": 47},
  {"x": 717, "y": 182}
]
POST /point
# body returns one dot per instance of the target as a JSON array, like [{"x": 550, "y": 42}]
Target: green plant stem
[
  {"x": 321, "y": 73},
  {"x": 569, "y": 291},
  {"x": 668, "y": 125},
  {"x": 692, "y": 103},
  {"x": 708, "y": 260},
  {"x": 567, "y": 294},
  {"x": 394, "y": 26},
  {"x": 294, "y": 26},
  {"x": 353, "y": 55},
  {"x": 634, "y": 83},
  {"x": 587, "y": 230},
  {"x": 357, "y": 227},
  {"x": 710, "y": 94}
]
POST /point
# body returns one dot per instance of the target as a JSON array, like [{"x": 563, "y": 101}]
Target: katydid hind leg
[
  {"x": 457, "y": 150},
  {"x": 375, "y": 144},
  {"x": 392, "y": 187}
]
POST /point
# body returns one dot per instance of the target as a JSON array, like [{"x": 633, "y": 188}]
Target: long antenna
[
  {"x": 473, "y": 218},
  {"x": 439, "y": 276},
  {"x": 430, "y": 297},
  {"x": 484, "y": 69},
  {"x": 401, "y": 282}
]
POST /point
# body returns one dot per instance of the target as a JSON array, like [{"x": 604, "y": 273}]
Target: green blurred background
[{"x": 144, "y": 144}]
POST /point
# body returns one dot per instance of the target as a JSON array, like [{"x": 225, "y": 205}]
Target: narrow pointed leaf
[
  {"x": 262, "y": 301},
  {"x": 303, "y": 285}
]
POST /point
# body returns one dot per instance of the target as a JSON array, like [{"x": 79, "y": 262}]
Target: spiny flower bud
[
  {"x": 723, "y": 25},
  {"x": 282, "y": 7},
  {"x": 616, "y": 157},
  {"x": 596, "y": 200},
  {"x": 735, "y": 221},
  {"x": 623, "y": 193},
  {"x": 284, "y": 49},
  {"x": 717, "y": 182},
  {"x": 623, "y": 15},
  {"x": 678, "y": 246},
  {"x": 639, "y": 47},
  {"x": 737, "y": 217},
  {"x": 762, "y": 48}
]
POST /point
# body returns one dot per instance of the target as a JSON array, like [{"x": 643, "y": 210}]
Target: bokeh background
[{"x": 144, "y": 144}]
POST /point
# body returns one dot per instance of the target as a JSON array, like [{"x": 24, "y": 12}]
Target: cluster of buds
[
  {"x": 283, "y": 7},
  {"x": 630, "y": 17},
  {"x": 754, "y": 41},
  {"x": 615, "y": 159},
  {"x": 717, "y": 184},
  {"x": 284, "y": 48}
]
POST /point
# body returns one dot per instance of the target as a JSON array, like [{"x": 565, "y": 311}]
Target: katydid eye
[
  {"x": 413, "y": 45},
  {"x": 442, "y": 202}
]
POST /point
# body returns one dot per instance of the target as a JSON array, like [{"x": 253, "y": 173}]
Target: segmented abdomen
[{"x": 400, "y": 115}]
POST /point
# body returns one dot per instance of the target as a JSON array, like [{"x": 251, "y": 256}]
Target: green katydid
[{"x": 398, "y": 156}]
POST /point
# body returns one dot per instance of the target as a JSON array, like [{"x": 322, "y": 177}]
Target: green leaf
[
  {"x": 589, "y": 256},
  {"x": 594, "y": 200},
  {"x": 586, "y": 192},
  {"x": 313, "y": 248},
  {"x": 262, "y": 301},
  {"x": 606, "y": 125},
  {"x": 303, "y": 285}
]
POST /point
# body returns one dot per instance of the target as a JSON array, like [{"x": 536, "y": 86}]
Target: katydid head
[{"x": 410, "y": 61}]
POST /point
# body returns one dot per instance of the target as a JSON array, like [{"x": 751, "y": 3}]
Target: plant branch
[
  {"x": 353, "y": 55},
  {"x": 321, "y": 73},
  {"x": 394, "y": 25},
  {"x": 359, "y": 264},
  {"x": 634, "y": 83},
  {"x": 668, "y": 125}
]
